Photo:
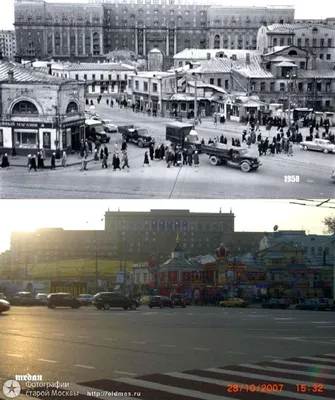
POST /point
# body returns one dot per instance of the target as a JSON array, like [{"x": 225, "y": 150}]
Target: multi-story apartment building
[
  {"x": 136, "y": 236},
  {"x": 237, "y": 27},
  {"x": 7, "y": 44},
  {"x": 319, "y": 39},
  {"x": 82, "y": 31}
]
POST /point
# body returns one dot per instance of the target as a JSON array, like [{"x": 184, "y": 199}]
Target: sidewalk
[{"x": 72, "y": 160}]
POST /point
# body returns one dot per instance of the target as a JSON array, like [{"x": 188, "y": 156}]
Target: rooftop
[
  {"x": 22, "y": 74},
  {"x": 198, "y": 54},
  {"x": 94, "y": 66},
  {"x": 293, "y": 27}
]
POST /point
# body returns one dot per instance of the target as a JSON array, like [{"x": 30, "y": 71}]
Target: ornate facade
[{"x": 77, "y": 31}]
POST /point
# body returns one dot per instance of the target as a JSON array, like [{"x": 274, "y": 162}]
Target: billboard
[
  {"x": 10, "y": 287},
  {"x": 75, "y": 288}
]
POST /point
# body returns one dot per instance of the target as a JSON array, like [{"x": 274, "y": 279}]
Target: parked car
[
  {"x": 2, "y": 296},
  {"x": 85, "y": 299},
  {"x": 23, "y": 299},
  {"x": 4, "y": 306},
  {"x": 188, "y": 301},
  {"x": 145, "y": 299},
  {"x": 275, "y": 303},
  {"x": 41, "y": 298},
  {"x": 107, "y": 300},
  {"x": 161, "y": 302},
  {"x": 178, "y": 300},
  {"x": 109, "y": 127},
  {"x": 312, "y": 304},
  {"x": 234, "y": 302},
  {"x": 62, "y": 300},
  {"x": 326, "y": 146}
]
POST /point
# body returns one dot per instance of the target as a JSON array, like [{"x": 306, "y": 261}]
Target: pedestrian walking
[
  {"x": 53, "y": 161},
  {"x": 104, "y": 162},
  {"x": 124, "y": 145},
  {"x": 33, "y": 163},
  {"x": 151, "y": 150},
  {"x": 29, "y": 162},
  {"x": 106, "y": 152},
  {"x": 146, "y": 159},
  {"x": 125, "y": 161},
  {"x": 184, "y": 156},
  {"x": 84, "y": 163},
  {"x": 116, "y": 162},
  {"x": 13, "y": 151},
  {"x": 190, "y": 158},
  {"x": 290, "y": 149},
  {"x": 101, "y": 154},
  {"x": 196, "y": 159},
  {"x": 5, "y": 161},
  {"x": 64, "y": 159}
]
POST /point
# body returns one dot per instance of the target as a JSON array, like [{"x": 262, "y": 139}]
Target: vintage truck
[
  {"x": 183, "y": 135},
  {"x": 222, "y": 154},
  {"x": 139, "y": 136}
]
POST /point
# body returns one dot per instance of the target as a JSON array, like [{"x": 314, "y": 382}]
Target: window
[
  {"x": 24, "y": 107},
  {"x": 328, "y": 57},
  {"x": 327, "y": 104},
  {"x": 319, "y": 251},
  {"x": 313, "y": 250},
  {"x": 93, "y": 77},
  {"x": 329, "y": 43},
  {"x": 217, "y": 42},
  {"x": 282, "y": 87},
  {"x": 117, "y": 77},
  {"x": 109, "y": 77},
  {"x": 226, "y": 84},
  {"x": 101, "y": 77},
  {"x": 300, "y": 87},
  {"x": 282, "y": 42},
  {"x": 85, "y": 77},
  {"x": 272, "y": 86},
  {"x": 219, "y": 82},
  {"x": 322, "y": 42},
  {"x": 77, "y": 77},
  {"x": 321, "y": 56},
  {"x": 275, "y": 41},
  {"x": 318, "y": 86},
  {"x": 309, "y": 86},
  {"x": 145, "y": 86},
  {"x": 314, "y": 42},
  {"x": 154, "y": 87},
  {"x": 72, "y": 107},
  {"x": 302, "y": 65},
  {"x": 263, "y": 86},
  {"x": 289, "y": 41},
  {"x": 307, "y": 42}
]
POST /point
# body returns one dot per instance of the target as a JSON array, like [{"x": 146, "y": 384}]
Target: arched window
[
  {"x": 216, "y": 41},
  {"x": 24, "y": 107},
  {"x": 292, "y": 53},
  {"x": 71, "y": 107}
]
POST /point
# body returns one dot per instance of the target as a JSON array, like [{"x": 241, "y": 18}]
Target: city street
[
  {"x": 180, "y": 354},
  {"x": 157, "y": 181}
]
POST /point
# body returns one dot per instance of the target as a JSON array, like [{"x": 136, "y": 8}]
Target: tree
[{"x": 329, "y": 222}]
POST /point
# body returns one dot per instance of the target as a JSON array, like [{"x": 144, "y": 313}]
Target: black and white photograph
[{"x": 166, "y": 99}]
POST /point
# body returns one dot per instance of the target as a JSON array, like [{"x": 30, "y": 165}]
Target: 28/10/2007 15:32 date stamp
[{"x": 273, "y": 388}]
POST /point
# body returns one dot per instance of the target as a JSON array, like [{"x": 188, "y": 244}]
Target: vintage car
[
  {"x": 234, "y": 302},
  {"x": 109, "y": 127},
  {"x": 318, "y": 145},
  {"x": 139, "y": 136},
  {"x": 222, "y": 154}
]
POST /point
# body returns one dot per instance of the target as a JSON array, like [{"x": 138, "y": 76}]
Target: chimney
[
  {"x": 314, "y": 62},
  {"x": 233, "y": 57},
  {"x": 247, "y": 58},
  {"x": 10, "y": 76},
  {"x": 49, "y": 69},
  {"x": 208, "y": 56}
]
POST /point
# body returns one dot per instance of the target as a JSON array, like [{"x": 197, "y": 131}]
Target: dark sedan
[
  {"x": 161, "y": 302},
  {"x": 275, "y": 303},
  {"x": 178, "y": 300},
  {"x": 312, "y": 304},
  {"x": 4, "y": 306}
]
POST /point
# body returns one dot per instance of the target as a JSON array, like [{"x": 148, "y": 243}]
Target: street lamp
[
  {"x": 290, "y": 76},
  {"x": 96, "y": 259}
]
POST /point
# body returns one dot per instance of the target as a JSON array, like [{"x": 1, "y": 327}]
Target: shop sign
[
  {"x": 77, "y": 122},
  {"x": 75, "y": 288},
  {"x": 25, "y": 124}
]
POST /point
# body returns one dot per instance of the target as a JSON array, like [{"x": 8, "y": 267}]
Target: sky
[
  {"x": 303, "y": 9},
  {"x": 250, "y": 215}
]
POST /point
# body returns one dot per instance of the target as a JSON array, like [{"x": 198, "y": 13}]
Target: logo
[{"x": 11, "y": 388}]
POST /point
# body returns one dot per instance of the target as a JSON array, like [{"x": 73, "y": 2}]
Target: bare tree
[{"x": 329, "y": 223}]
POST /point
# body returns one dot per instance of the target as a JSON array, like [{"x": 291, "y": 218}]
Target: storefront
[{"x": 73, "y": 131}]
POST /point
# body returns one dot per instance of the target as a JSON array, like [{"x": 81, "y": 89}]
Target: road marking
[
  {"x": 201, "y": 349},
  {"x": 112, "y": 340},
  {"x": 136, "y": 342},
  {"x": 321, "y": 367},
  {"x": 58, "y": 334},
  {"x": 167, "y": 345},
  {"x": 171, "y": 389},
  {"x": 44, "y": 360},
  {"x": 296, "y": 372},
  {"x": 234, "y": 352},
  {"x": 284, "y": 319},
  {"x": 84, "y": 337},
  {"x": 83, "y": 366},
  {"x": 15, "y": 355},
  {"x": 125, "y": 373}
]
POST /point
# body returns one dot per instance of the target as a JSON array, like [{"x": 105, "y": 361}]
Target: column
[
  {"x": 167, "y": 42},
  {"x": 61, "y": 42},
  {"x": 83, "y": 39},
  {"x": 68, "y": 42},
  {"x": 101, "y": 43},
  {"x": 229, "y": 42},
  {"x": 136, "y": 40},
  {"x": 53, "y": 41},
  {"x": 46, "y": 41},
  {"x": 76, "y": 41},
  {"x": 144, "y": 43},
  {"x": 175, "y": 42},
  {"x": 92, "y": 43}
]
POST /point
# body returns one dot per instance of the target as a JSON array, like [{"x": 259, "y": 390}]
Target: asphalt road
[
  {"x": 158, "y": 181},
  {"x": 117, "y": 348}
]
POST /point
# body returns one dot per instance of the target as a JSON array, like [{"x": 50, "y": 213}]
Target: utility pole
[
  {"x": 290, "y": 76},
  {"x": 96, "y": 263},
  {"x": 195, "y": 99}
]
